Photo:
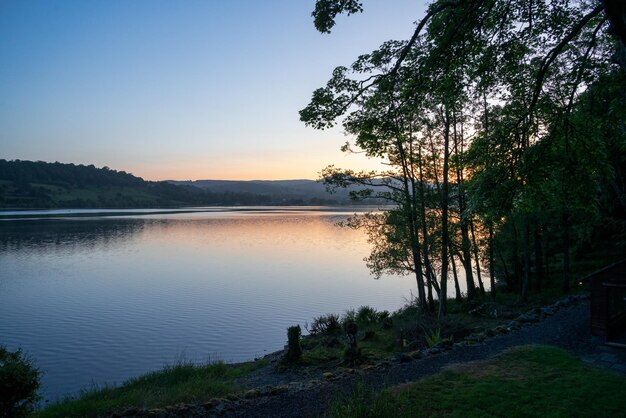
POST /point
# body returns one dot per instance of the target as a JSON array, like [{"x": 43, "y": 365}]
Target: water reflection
[
  {"x": 65, "y": 235},
  {"x": 103, "y": 299}
]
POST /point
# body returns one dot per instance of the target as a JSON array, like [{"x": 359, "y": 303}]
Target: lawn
[{"x": 529, "y": 381}]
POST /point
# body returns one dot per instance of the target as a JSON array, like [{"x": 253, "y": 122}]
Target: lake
[{"x": 97, "y": 297}]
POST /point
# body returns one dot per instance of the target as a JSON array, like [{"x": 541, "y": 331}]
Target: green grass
[
  {"x": 174, "y": 384},
  {"x": 525, "y": 381}
]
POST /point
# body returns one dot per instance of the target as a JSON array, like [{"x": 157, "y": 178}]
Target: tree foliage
[
  {"x": 502, "y": 124},
  {"x": 19, "y": 382}
]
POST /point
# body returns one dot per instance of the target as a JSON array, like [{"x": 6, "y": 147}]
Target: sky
[{"x": 180, "y": 89}]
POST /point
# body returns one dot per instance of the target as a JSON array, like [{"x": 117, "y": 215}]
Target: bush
[
  {"x": 349, "y": 316},
  {"x": 325, "y": 324},
  {"x": 435, "y": 338},
  {"x": 367, "y": 315},
  {"x": 19, "y": 382},
  {"x": 294, "y": 351}
]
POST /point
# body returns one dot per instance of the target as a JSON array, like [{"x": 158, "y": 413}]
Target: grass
[
  {"x": 523, "y": 382},
  {"x": 183, "y": 382}
]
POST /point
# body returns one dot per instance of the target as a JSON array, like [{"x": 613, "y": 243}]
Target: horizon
[{"x": 197, "y": 90}]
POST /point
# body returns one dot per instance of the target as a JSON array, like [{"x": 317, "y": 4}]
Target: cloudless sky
[{"x": 179, "y": 89}]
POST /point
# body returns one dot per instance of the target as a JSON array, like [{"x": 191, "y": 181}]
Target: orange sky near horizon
[{"x": 250, "y": 168}]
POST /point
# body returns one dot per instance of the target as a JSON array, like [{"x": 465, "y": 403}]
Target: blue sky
[{"x": 179, "y": 89}]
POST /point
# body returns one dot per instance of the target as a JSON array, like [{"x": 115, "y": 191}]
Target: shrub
[
  {"x": 325, "y": 324},
  {"x": 367, "y": 315},
  {"x": 434, "y": 338},
  {"x": 19, "y": 382},
  {"x": 348, "y": 316},
  {"x": 294, "y": 351}
]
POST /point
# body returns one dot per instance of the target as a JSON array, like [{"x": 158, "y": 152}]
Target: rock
[
  {"x": 444, "y": 345},
  {"x": 500, "y": 329},
  {"x": 530, "y": 317},
  {"x": 477, "y": 338},
  {"x": 413, "y": 345},
  {"x": 129, "y": 412},
  {"x": 513, "y": 325},
  {"x": 403, "y": 358},
  {"x": 433, "y": 351},
  {"x": 328, "y": 375},
  {"x": 416, "y": 354},
  {"x": 232, "y": 397},
  {"x": 212, "y": 403},
  {"x": 252, "y": 393},
  {"x": 277, "y": 390}
]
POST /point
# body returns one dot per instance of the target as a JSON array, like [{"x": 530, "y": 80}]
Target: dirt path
[{"x": 567, "y": 327}]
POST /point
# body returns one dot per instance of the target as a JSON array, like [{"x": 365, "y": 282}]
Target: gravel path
[{"x": 568, "y": 328}]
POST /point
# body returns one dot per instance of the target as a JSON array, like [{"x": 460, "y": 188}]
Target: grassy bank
[
  {"x": 174, "y": 384},
  {"x": 522, "y": 382}
]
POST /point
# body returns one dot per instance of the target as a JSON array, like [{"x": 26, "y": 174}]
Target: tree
[
  {"x": 492, "y": 88},
  {"x": 19, "y": 382}
]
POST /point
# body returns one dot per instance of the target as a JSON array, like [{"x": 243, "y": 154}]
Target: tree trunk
[
  {"x": 430, "y": 275},
  {"x": 465, "y": 241},
  {"x": 457, "y": 288},
  {"x": 566, "y": 244},
  {"x": 539, "y": 276},
  {"x": 492, "y": 274},
  {"x": 409, "y": 213},
  {"x": 444, "y": 216},
  {"x": 526, "y": 271},
  {"x": 477, "y": 260}
]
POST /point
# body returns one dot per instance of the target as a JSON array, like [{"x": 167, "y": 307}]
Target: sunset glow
[{"x": 168, "y": 90}]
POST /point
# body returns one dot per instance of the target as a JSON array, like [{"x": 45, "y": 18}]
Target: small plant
[
  {"x": 325, "y": 324},
  {"x": 294, "y": 351},
  {"x": 19, "y": 382},
  {"x": 434, "y": 338}
]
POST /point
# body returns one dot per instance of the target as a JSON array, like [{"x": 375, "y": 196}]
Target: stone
[
  {"x": 129, "y": 412},
  {"x": 413, "y": 345},
  {"x": 527, "y": 318},
  {"x": 434, "y": 351},
  {"x": 328, "y": 375},
  {"x": 416, "y": 354},
  {"x": 444, "y": 344},
  {"x": 252, "y": 393},
  {"x": 403, "y": 358},
  {"x": 211, "y": 403},
  {"x": 500, "y": 329}
]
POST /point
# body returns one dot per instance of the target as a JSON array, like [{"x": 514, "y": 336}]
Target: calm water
[{"x": 98, "y": 299}]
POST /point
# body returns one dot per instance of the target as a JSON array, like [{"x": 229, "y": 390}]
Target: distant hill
[
  {"x": 278, "y": 190},
  {"x": 38, "y": 184}
]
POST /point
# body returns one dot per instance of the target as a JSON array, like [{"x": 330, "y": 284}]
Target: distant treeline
[{"x": 38, "y": 184}]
